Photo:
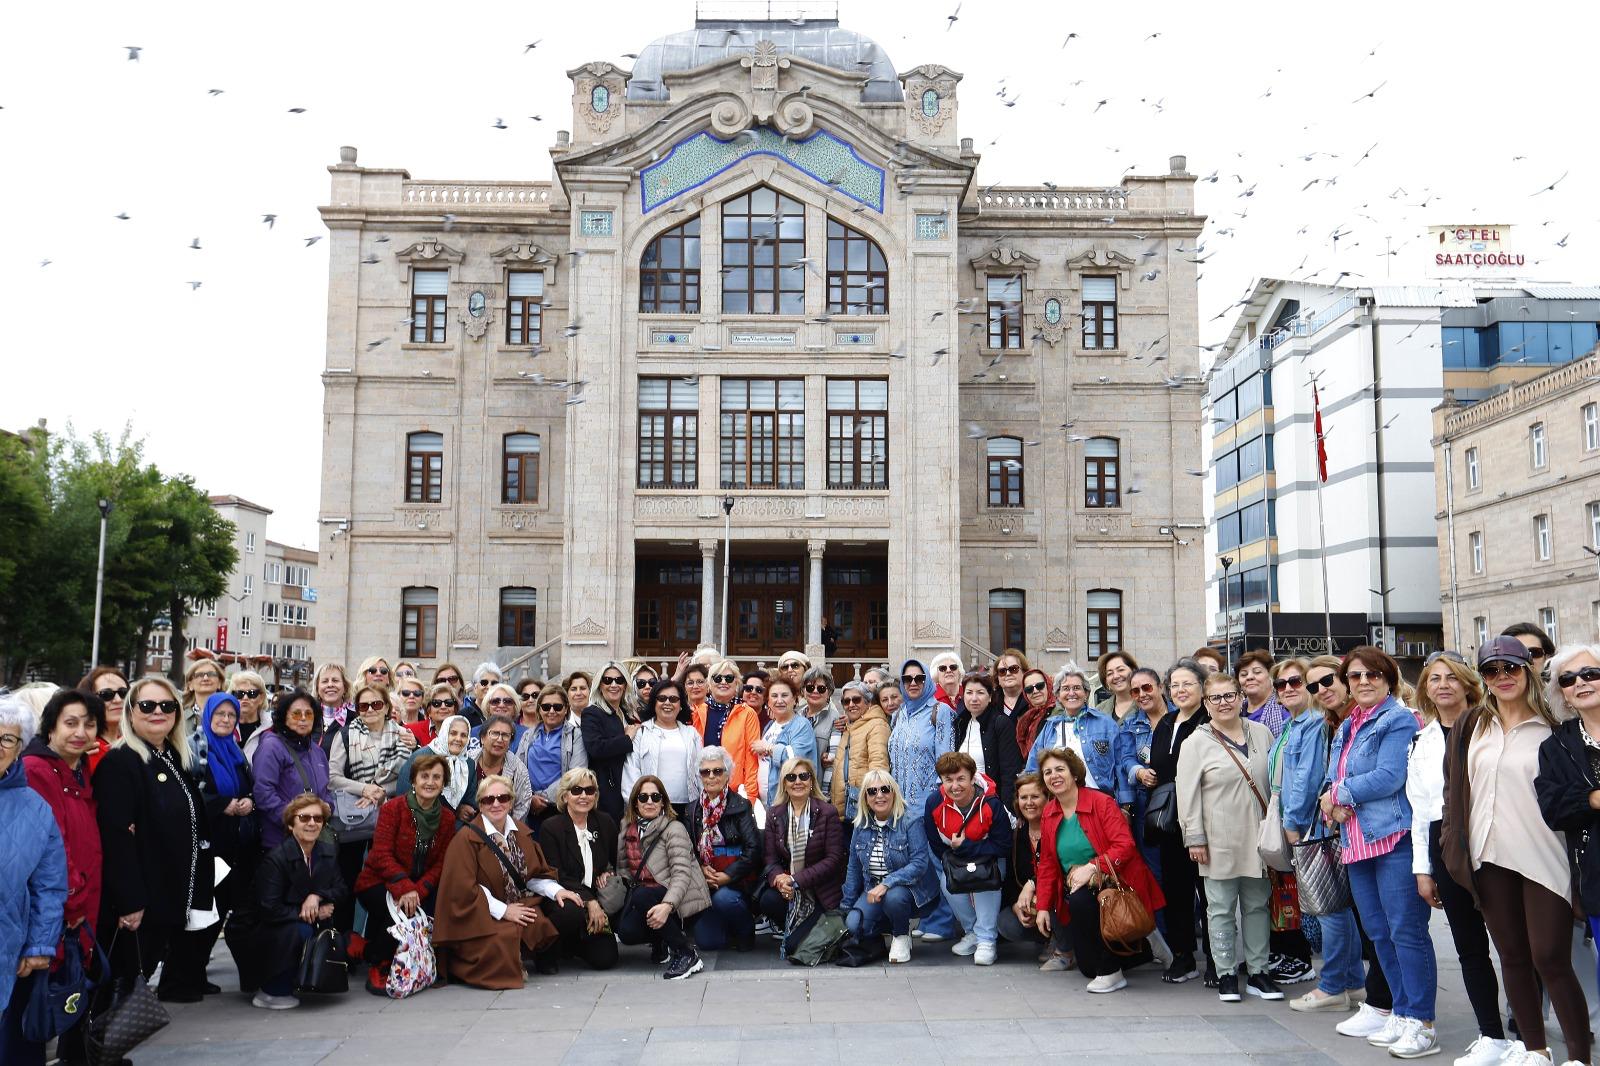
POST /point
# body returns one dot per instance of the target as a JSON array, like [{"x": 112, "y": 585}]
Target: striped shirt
[
  {"x": 1356, "y": 848},
  {"x": 877, "y": 861}
]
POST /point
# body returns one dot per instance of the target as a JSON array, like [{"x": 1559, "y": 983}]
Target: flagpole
[{"x": 1322, "y": 520}]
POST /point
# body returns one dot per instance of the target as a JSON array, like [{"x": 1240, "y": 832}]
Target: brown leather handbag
[{"x": 1124, "y": 919}]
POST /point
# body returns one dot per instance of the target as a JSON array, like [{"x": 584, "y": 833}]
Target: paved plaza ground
[{"x": 753, "y": 1008}]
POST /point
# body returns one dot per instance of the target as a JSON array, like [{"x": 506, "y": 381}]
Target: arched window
[
  {"x": 1105, "y": 621},
  {"x": 858, "y": 274},
  {"x": 519, "y": 471},
  {"x": 1101, "y": 481},
  {"x": 1005, "y": 471},
  {"x": 669, "y": 272},
  {"x": 424, "y": 467},
  {"x": 763, "y": 241}
]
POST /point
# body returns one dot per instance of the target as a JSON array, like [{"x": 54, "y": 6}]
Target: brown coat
[
  {"x": 481, "y": 950},
  {"x": 1454, "y": 846}
]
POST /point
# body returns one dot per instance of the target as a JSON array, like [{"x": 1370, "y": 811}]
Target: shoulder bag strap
[
  {"x": 1247, "y": 778},
  {"x": 299, "y": 768},
  {"x": 1277, "y": 760},
  {"x": 516, "y": 874},
  {"x": 644, "y": 859}
]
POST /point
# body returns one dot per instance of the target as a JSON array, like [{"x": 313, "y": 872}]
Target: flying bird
[
  {"x": 313, "y": 240},
  {"x": 269, "y": 220},
  {"x": 297, "y": 111},
  {"x": 1370, "y": 95},
  {"x": 532, "y": 46},
  {"x": 500, "y": 124},
  {"x": 193, "y": 285},
  {"x": 124, "y": 216},
  {"x": 952, "y": 18},
  {"x": 1553, "y": 184},
  {"x": 1070, "y": 36},
  {"x": 195, "y": 244},
  {"x": 214, "y": 92},
  {"x": 133, "y": 52}
]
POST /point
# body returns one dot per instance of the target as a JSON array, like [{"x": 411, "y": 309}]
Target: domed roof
[{"x": 821, "y": 41}]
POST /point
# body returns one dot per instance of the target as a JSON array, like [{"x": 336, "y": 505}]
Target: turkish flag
[{"x": 1322, "y": 448}]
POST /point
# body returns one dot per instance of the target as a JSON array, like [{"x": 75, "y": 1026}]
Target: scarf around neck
[
  {"x": 427, "y": 821},
  {"x": 711, "y": 836},
  {"x": 222, "y": 755}
]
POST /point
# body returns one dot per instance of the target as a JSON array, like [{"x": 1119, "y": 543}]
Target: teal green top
[{"x": 1072, "y": 847}]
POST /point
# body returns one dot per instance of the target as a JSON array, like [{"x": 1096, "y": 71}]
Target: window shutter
[
  {"x": 526, "y": 283},
  {"x": 1100, "y": 290},
  {"x": 1100, "y": 448},
  {"x": 429, "y": 282},
  {"x": 1105, "y": 599},
  {"x": 519, "y": 597}
]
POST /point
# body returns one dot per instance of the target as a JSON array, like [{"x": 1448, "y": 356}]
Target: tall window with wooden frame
[
  {"x": 519, "y": 468},
  {"x": 524, "y": 306},
  {"x": 519, "y": 613},
  {"x": 424, "y": 467},
  {"x": 1102, "y": 475},
  {"x": 1007, "y": 619},
  {"x": 419, "y": 622},
  {"x": 858, "y": 433},
  {"x": 669, "y": 272},
  {"x": 1004, "y": 295},
  {"x": 669, "y": 433},
  {"x": 428, "y": 295},
  {"x": 858, "y": 273},
  {"x": 1004, "y": 456},
  {"x": 762, "y": 431},
  {"x": 1105, "y": 622},
  {"x": 763, "y": 241},
  {"x": 1099, "y": 313}
]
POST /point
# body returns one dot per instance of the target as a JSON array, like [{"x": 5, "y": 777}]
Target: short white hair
[
  {"x": 946, "y": 657},
  {"x": 714, "y": 753},
  {"x": 485, "y": 669},
  {"x": 14, "y": 711},
  {"x": 1558, "y": 662}
]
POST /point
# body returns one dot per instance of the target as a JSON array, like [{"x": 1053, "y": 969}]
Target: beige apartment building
[
  {"x": 767, "y": 273},
  {"x": 1518, "y": 491}
]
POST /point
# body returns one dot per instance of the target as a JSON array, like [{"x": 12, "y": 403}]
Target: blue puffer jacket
[
  {"x": 1305, "y": 765},
  {"x": 1374, "y": 780},
  {"x": 905, "y": 852},
  {"x": 33, "y": 876},
  {"x": 1097, "y": 738}
]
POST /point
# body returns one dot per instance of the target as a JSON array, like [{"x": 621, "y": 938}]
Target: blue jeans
[
  {"x": 896, "y": 911},
  {"x": 728, "y": 918},
  {"x": 941, "y": 920},
  {"x": 1396, "y": 919},
  {"x": 1341, "y": 954},
  {"x": 282, "y": 984},
  {"x": 978, "y": 912}
]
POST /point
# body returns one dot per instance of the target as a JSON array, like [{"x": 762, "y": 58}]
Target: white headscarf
[{"x": 460, "y": 765}]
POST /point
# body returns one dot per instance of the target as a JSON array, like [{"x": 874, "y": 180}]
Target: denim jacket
[
  {"x": 906, "y": 852},
  {"x": 795, "y": 738},
  {"x": 1305, "y": 766},
  {"x": 1374, "y": 781},
  {"x": 1097, "y": 736},
  {"x": 1132, "y": 752}
]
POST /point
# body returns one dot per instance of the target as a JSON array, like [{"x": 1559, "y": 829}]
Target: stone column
[
  {"x": 814, "y": 648},
  {"x": 708, "y": 591}
]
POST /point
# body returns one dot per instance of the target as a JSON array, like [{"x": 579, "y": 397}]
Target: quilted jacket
[{"x": 33, "y": 876}]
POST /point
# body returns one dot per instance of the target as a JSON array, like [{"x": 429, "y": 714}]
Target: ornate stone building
[{"x": 947, "y": 414}]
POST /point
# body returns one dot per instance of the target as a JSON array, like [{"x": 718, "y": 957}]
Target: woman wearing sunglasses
[
  {"x": 890, "y": 878},
  {"x": 1366, "y": 799},
  {"x": 805, "y": 847},
  {"x": 1290, "y": 954},
  {"x": 552, "y": 748},
  {"x": 443, "y": 701},
  {"x": 726, "y": 720},
  {"x": 1134, "y": 776},
  {"x": 608, "y": 733},
  {"x": 666, "y": 888},
  {"x": 289, "y": 761},
  {"x": 864, "y": 746},
  {"x": 666, "y": 748},
  {"x": 1494, "y": 840},
  {"x": 107, "y": 683},
  {"x": 250, "y": 689},
  {"x": 153, "y": 835},
  {"x": 580, "y": 842},
  {"x": 1039, "y": 693},
  {"x": 722, "y": 825},
  {"x": 788, "y": 735}
]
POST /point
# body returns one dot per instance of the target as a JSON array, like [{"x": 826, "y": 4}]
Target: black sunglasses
[
  {"x": 712, "y": 771},
  {"x": 1327, "y": 682},
  {"x": 1568, "y": 678},
  {"x": 913, "y": 679},
  {"x": 723, "y": 679},
  {"x": 498, "y": 797},
  {"x": 611, "y": 681},
  {"x": 880, "y": 790},
  {"x": 1038, "y": 686},
  {"x": 1007, "y": 671},
  {"x": 152, "y": 706},
  {"x": 583, "y": 790},
  {"x": 372, "y": 705},
  {"x": 800, "y": 776},
  {"x": 109, "y": 694},
  {"x": 649, "y": 797},
  {"x": 441, "y": 703},
  {"x": 238, "y": 693},
  {"x": 1288, "y": 682},
  {"x": 757, "y": 689},
  {"x": 552, "y": 706},
  {"x": 850, "y": 701},
  {"x": 643, "y": 682},
  {"x": 670, "y": 697}
]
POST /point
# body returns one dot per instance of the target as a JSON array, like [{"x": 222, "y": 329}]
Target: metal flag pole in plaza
[{"x": 1322, "y": 522}]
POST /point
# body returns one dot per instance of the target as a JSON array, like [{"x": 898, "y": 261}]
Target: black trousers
[
  {"x": 773, "y": 906},
  {"x": 351, "y": 857},
  {"x": 633, "y": 929},
  {"x": 1471, "y": 938},
  {"x": 1180, "y": 881},
  {"x": 597, "y": 950},
  {"x": 381, "y": 945},
  {"x": 1290, "y": 942}
]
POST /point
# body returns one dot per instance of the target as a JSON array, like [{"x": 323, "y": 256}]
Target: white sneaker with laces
[
  {"x": 965, "y": 946},
  {"x": 900, "y": 949},
  {"x": 1418, "y": 1041},
  {"x": 269, "y": 1002},
  {"x": 930, "y": 938},
  {"x": 1108, "y": 982},
  {"x": 985, "y": 955},
  {"x": 1364, "y": 1022},
  {"x": 1394, "y": 1027},
  {"x": 1487, "y": 1051}
]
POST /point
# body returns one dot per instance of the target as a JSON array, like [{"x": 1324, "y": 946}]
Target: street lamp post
[
  {"x": 727, "y": 565},
  {"x": 1227, "y": 618},
  {"x": 99, "y": 583},
  {"x": 1383, "y": 616}
]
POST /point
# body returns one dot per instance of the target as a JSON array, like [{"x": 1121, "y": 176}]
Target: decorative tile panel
[
  {"x": 595, "y": 223},
  {"x": 696, "y": 160},
  {"x": 844, "y": 340},
  {"x": 676, "y": 338},
  {"x": 933, "y": 227}
]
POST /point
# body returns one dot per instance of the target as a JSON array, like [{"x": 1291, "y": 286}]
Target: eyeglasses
[
  {"x": 552, "y": 706},
  {"x": 671, "y": 697},
  {"x": 611, "y": 680},
  {"x": 945, "y": 668},
  {"x": 1358, "y": 676},
  {"x": 10, "y": 741},
  {"x": 724, "y": 679},
  {"x": 1222, "y": 699},
  {"x": 503, "y": 701},
  {"x": 411, "y": 694},
  {"x": 1007, "y": 671},
  {"x": 790, "y": 665},
  {"x": 1288, "y": 682},
  {"x": 712, "y": 771},
  {"x": 238, "y": 693},
  {"x": 109, "y": 694},
  {"x": 798, "y": 776},
  {"x": 448, "y": 679},
  {"x": 757, "y": 689},
  {"x": 381, "y": 671},
  {"x": 1491, "y": 671},
  {"x": 372, "y": 705},
  {"x": 498, "y": 734},
  {"x": 309, "y": 819},
  {"x": 442, "y": 703},
  {"x": 649, "y": 797},
  {"x": 483, "y": 682},
  {"x": 1568, "y": 678},
  {"x": 643, "y": 682},
  {"x": 1142, "y": 690},
  {"x": 583, "y": 790},
  {"x": 1321, "y": 682},
  {"x": 880, "y": 790},
  {"x": 913, "y": 679},
  {"x": 495, "y": 800},
  {"x": 1040, "y": 686},
  {"x": 850, "y": 701},
  {"x": 299, "y": 712},
  {"x": 814, "y": 689},
  {"x": 157, "y": 706}
]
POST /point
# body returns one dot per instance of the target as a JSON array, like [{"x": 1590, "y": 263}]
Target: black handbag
[
  {"x": 981, "y": 874},
  {"x": 324, "y": 966},
  {"x": 130, "y": 1016},
  {"x": 1161, "y": 813},
  {"x": 854, "y": 953},
  {"x": 59, "y": 999}
]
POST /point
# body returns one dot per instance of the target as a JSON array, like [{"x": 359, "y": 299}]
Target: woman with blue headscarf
[
  {"x": 226, "y": 786},
  {"x": 922, "y": 730}
]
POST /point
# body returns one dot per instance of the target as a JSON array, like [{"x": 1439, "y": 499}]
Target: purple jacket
[
  {"x": 826, "y": 857},
  {"x": 279, "y": 780}
]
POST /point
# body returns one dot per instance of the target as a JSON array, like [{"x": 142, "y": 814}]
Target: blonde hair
[
  {"x": 367, "y": 664},
  {"x": 186, "y": 697},
  {"x": 316, "y": 682},
  {"x": 578, "y": 775},
  {"x": 503, "y": 689},
  {"x": 873, "y": 779},
  {"x": 177, "y": 736},
  {"x": 1471, "y": 684},
  {"x": 795, "y": 762},
  {"x": 494, "y": 779}
]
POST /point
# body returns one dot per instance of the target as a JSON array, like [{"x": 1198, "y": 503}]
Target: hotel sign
[{"x": 1464, "y": 251}]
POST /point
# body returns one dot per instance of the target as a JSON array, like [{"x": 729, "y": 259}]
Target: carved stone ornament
[
  {"x": 764, "y": 63},
  {"x": 429, "y": 252},
  {"x": 588, "y": 628},
  {"x": 1052, "y": 314},
  {"x": 526, "y": 254},
  {"x": 477, "y": 314},
  {"x": 597, "y": 92},
  {"x": 932, "y": 631},
  {"x": 1057, "y": 638},
  {"x": 1004, "y": 258},
  {"x": 930, "y": 112},
  {"x": 1100, "y": 258},
  {"x": 466, "y": 633}
]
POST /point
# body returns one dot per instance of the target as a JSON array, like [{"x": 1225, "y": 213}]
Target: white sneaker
[
  {"x": 918, "y": 933},
  {"x": 965, "y": 946},
  {"x": 266, "y": 1002},
  {"x": 930, "y": 938},
  {"x": 1394, "y": 1027},
  {"x": 1108, "y": 982},
  {"x": 1530, "y": 1057},
  {"x": 1487, "y": 1051},
  {"x": 900, "y": 949},
  {"x": 1364, "y": 1022},
  {"x": 1418, "y": 1041},
  {"x": 985, "y": 954},
  {"x": 1159, "y": 948}
]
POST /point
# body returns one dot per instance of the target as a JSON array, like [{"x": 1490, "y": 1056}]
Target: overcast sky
[{"x": 1478, "y": 106}]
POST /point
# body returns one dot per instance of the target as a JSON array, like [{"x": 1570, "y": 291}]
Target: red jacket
[
  {"x": 73, "y": 805},
  {"x": 422, "y": 729},
  {"x": 1106, "y": 827},
  {"x": 394, "y": 842}
]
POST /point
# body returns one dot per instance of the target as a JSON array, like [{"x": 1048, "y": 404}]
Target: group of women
[{"x": 540, "y": 824}]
